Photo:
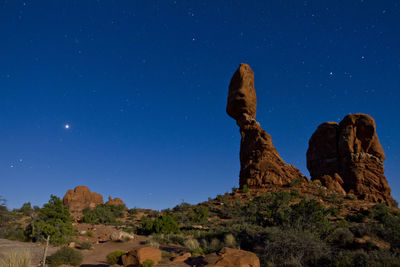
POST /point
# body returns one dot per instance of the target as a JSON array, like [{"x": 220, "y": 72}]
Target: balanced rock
[
  {"x": 260, "y": 163},
  {"x": 115, "y": 201},
  {"x": 81, "y": 198},
  {"x": 348, "y": 157},
  {"x": 229, "y": 257},
  {"x": 242, "y": 95}
]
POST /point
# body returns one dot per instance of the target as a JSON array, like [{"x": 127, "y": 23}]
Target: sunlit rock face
[
  {"x": 81, "y": 198},
  {"x": 260, "y": 163},
  {"x": 349, "y": 154}
]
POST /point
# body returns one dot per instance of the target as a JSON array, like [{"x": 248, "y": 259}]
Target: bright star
[{"x": 66, "y": 126}]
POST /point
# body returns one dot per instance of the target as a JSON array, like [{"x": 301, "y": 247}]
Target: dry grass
[{"x": 21, "y": 258}]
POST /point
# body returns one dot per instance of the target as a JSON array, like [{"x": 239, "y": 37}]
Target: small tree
[{"x": 53, "y": 220}]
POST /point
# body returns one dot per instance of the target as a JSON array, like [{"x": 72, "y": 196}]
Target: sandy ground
[{"x": 97, "y": 255}]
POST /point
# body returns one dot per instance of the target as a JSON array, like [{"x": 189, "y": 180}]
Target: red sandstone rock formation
[
  {"x": 115, "y": 201},
  {"x": 229, "y": 257},
  {"x": 261, "y": 165},
  {"x": 137, "y": 256},
  {"x": 81, "y": 198},
  {"x": 348, "y": 157}
]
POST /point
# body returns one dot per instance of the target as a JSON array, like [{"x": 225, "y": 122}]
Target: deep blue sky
[{"x": 143, "y": 86}]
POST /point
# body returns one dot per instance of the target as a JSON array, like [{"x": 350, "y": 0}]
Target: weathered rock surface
[
  {"x": 229, "y": 257},
  {"x": 348, "y": 157},
  {"x": 137, "y": 256},
  {"x": 242, "y": 95},
  {"x": 115, "y": 201},
  {"x": 81, "y": 198},
  {"x": 261, "y": 164}
]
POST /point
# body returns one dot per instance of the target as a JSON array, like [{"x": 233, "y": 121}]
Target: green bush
[
  {"x": 85, "y": 245},
  {"x": 115, "y": 256},
  {"x": 245, "y": 189},
  {"x": 103, "y": 214},
  {"x": 26, "y": 209},
  {"x": 65, "y": 255},
  {"x": 309, "y": 215},
  {"x": 198, "y": 214},
  {"x": 53, "y": 220},
  {"x": 89, "y": 234},
  {"x": 341, "y": 237},
  {"x": 165, "y": 224},
  {"x": 284, "y": 247},
  {"x": 148, "y": 263}
]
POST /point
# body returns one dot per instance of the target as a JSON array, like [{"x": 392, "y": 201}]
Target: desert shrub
[
  {"x": 214, "y": 245},
  {"x": 309, "y": 215},
  {"x": 358, "y": 217},
  {"x": 133, "y": 211},
  {"x": 230, "y": 241},
  {"x": 388, "y": 225},
  {"x": 148, "y": 263},
  {"x": 115, "y": 256},
  {"x": 350, "y": 196},
  {"x": 103, "y": 214},
  {"x": 296, "y": 182},
  {"x": 191, "y": 244},
  {"x": 361, "y": 258},
  {"x": 85, "y": 245},
  {"x": 163, "y": 224},
  {"x": 342, "y": 223},
  {"x": 65, "y": 255},
  {"x": 341, "y": 237},
  {"x": 89, "y": 234},
  {"x": 16, "y": 258},
  {"x": 198, "y": 214},
  {"x": 53, "y": 220},
  {"x": 152, "y": 242},
  {"x": 231, "y": 210},
  {"x": 245, "y": 189},
  {"x": 269, "y": 209},
  {"x": 26, "y": 209},
  {"x": 291, "y": 246}
]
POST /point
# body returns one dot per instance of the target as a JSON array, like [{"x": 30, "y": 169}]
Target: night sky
[{"x": 142, "y": 86}]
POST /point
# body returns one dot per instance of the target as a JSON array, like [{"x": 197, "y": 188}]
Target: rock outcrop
[
  {"x": 229, "y": 257},
  {"x": 81, "y": 198},
  {"x": 137, "y": 256},
  {"x": 348, "y": 158},
  {"x": 260, "y": 163},
  {"x": 115, "y": 201}
]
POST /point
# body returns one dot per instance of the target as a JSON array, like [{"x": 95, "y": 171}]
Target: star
[{"x": 66, "y": 126}]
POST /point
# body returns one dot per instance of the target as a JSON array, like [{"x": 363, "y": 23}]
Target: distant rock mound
[
  {"x": 81, "y": 198},
  {"x": 260, "y": 163},
  {"x": 348, "y": 158},
  {"x": 115, "y": 201}
]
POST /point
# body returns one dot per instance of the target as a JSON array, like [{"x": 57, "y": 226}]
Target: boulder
[
  {"x": 242, "y": 95},
  {"x": 349, "y": 157},
  {"x": 260, "y": 163},
  {"x": 120, "y": 236},
  {"x": 182, "y": 258},
  {"x": 137, "y": 256},
  {"x": 81, "y": 198},
  {"x": 229, "y": 257}
]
